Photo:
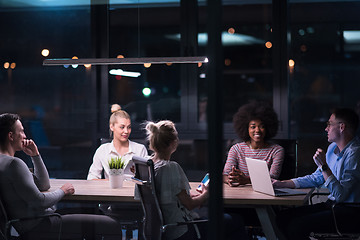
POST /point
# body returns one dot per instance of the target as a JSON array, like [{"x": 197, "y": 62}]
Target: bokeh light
[
  {"x": 146, "y": 91},
  {"x": 291, "y": 63},
  {"x": 75, "y": 65},
  {"x": 45, "y": 52},
  {"x": 268, "y": 44},
  {"x": 231, "y": 30}
]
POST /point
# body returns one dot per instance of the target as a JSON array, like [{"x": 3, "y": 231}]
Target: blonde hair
[
  {"x": 161, "y": 135},
  {"x": 117, "y": 112}
]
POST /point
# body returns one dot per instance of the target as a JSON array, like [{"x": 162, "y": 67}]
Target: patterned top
[
  {"x": 273, "y": 154},
  {"x": 170, "y": 180}
]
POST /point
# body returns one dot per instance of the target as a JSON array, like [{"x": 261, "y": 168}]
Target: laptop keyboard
[{"x": 279, "y": 191}]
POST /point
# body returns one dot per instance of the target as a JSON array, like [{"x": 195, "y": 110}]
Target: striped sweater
[{"x": 273, "y": 154}]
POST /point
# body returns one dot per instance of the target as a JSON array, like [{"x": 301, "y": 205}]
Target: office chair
[
  {"x": 290, "y": 164},
  {"x": 153, "y": 224},
  {"x": 343, "y": 231},
  {"x": 6, "y": 225},
  {"x": 118, "y": 211}
]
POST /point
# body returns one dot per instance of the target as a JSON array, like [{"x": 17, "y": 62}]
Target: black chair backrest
[
  {"x": 3, "y": 220},
  {"x": 290, "y": 164},
  {"x": 145, "y": 180}
]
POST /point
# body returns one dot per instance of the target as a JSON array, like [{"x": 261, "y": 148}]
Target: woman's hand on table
[{"x": 237, "y": 177}]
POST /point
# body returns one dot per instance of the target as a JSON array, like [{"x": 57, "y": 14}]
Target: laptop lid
[
  {"x": 128, "y": 166},
  {"x": 261, "y": 181},
  {"x": 260, "y": 176}
]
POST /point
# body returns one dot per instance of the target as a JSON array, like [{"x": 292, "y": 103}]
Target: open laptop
[
  {"x": 261, "y": 181},
  {"x": 127, "y": 170}
]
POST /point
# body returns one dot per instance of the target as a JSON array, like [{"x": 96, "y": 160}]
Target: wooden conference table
[{"x": 237, "y": 197}]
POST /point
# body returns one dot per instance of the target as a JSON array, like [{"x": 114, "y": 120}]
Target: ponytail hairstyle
[
  {"x": 117, "y": 112},
  {"x": 161, "y": 136}
]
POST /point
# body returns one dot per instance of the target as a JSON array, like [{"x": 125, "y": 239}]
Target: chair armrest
[
  {"x": 354, "y": 206},
  {"x": 10, "y": 222},
  {"x": 34, "y": 217},
  {"x": 138, "y": 181},
  {"x": 163, "y": 228},
  {"x": 184, "y": 223},
  {"x": 317, "y": 194}
]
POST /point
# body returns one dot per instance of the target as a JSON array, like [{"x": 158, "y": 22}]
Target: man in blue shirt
[{"x": 338, "y": 170}]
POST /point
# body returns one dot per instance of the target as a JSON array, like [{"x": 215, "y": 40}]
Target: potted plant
[{"x": 116, "y": 178}]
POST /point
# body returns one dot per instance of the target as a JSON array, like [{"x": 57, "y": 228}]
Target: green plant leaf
[{"x": 116, "y": 163}]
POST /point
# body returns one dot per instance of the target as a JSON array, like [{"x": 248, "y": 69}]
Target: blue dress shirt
[{"x": 344, "y": 183}]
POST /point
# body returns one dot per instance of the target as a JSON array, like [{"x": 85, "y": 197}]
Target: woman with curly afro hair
[{"x": 255, "y": 123}]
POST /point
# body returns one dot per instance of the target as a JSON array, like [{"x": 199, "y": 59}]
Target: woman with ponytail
[
  {"x": 172, "y": 185},
  {"x": 120, "y": 146}
]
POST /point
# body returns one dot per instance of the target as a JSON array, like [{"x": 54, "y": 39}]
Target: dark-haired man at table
[
  {"x": 26, "y": 195},
  {"x": 338, "y": 170}
]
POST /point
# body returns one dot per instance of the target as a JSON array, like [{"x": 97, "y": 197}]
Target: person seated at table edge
[
  {"x": 120, "y": 146},
  {"x": 172, "y": 185},
  {"x": 255, "y": 123},
  {"x": 25, "y": 194},
  {"x": 338, "y": 169},
  {"x": 173, "y": 188}
]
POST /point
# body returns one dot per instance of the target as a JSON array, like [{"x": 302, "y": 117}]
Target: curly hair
[{"x": 255, "y": 111}]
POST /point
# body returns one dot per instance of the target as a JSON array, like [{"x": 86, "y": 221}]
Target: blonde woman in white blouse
[{"x": 120, "y": 146}]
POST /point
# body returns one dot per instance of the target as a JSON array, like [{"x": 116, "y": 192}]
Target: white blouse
[{"x": 106, "y": 151}]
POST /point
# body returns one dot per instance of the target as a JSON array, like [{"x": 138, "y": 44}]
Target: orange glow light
[
  {"x": 12, "y": 65},
  {"x": 268, "y": 44},
  {"x": 291, "y": 63},
  {"x": 231, "y": 30},
  {"x": 6, "y": 65},
  {"x": 75, "y": 65},
  {"x": 147, "y": 65},
  {"x": 120, "y": 56},
  {"x": 87, "y": 65}
]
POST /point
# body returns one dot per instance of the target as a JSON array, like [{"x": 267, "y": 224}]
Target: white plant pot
[{"x": 116, "y": 178}]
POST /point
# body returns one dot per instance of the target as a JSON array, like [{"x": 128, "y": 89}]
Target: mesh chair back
[
  {"x": 290, "y": 164},
  {"x": 3, "y": 220},
  {"x": 153, "y": 219}
]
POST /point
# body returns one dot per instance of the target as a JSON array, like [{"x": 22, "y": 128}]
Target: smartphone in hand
[{"x": 204, "y": 181}]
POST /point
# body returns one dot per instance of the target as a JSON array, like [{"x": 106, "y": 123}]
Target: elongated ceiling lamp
[
  {"x": 120, "y": 72},
  {"x": 115, "y": 61}
]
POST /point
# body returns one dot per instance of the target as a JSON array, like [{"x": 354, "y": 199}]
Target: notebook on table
[{"x": 261, "y": 181}]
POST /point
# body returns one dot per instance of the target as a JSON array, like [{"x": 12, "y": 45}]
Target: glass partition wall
[
  {"x": 54, "y": 102},
  {"x": 325, "y": 50},
  {"x": 66, "y": 108}
]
